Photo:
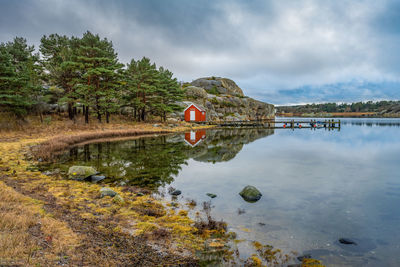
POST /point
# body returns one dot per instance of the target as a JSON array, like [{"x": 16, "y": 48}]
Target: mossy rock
[
  {"x": 81, "y": 172},
  {"x": 250, "y": 194},
  {"x": 118, "y": 199},
  {"x": 105, "y": 191}
]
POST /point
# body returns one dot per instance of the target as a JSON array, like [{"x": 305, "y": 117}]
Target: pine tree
[
  {"x": 100, "y": 75},
  {"x": 142, "y": 79},
  {"x": 83, "y": 72},
  {"x": 129, "y": 92},
  {"x": 20, "y": 82},
  {"x": 59, "y": 53},
  {"x": 169, "y": 92}
]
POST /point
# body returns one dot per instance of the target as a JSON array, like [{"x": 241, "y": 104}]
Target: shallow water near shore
[{"x": 317, "y": 185}]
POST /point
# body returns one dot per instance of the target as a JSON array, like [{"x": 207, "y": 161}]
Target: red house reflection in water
[{"x": 193, "y": 138}]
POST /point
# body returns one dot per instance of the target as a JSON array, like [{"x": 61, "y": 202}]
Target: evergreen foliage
[
  {"x": 170, "y": 93},
  {"x": 142, "y": 79},
  {"x": 154, "y": 91},
  {"x": 369, "y": 106},
  {"x": 19, "y": 77},
  {"x": 59, "y": 60},
  {"x": 99, "y": 67},
  {"x": 83, "y": 74}
]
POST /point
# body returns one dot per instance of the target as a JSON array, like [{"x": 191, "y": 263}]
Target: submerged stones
[
  {"x": 81, "y": 172},
  {"x": 356, "y": 245},
  {"x": 176, "y": 192},
  {"x": 212, "y": 195},
  {"x": 97, "y": 178},
  {"x": 304, "y": 256},
  {"x": 250, "y": 194},
  {"x": 347, "y": 241}
]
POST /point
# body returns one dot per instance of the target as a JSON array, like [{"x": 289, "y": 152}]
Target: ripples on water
[{"x": 317, "y": 185}]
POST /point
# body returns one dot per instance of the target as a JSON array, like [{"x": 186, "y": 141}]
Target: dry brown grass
[
  {"x": 49, "y": 148},
  {"x": 32, "y": 127},
  {"x": 27, "y": 235},
  {"x": 46, "y": 221}
]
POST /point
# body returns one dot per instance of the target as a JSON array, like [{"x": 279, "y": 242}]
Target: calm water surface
[{"x": 317, "y": 185}]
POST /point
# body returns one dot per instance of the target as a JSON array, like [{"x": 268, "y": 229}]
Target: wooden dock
[{"x": 281, "y": 124}]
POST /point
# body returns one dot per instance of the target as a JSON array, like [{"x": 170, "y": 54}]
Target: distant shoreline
[{"x": 365, "y": 115}]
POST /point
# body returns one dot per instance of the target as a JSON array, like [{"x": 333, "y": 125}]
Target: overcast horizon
[{"x": 281, "y": 52}]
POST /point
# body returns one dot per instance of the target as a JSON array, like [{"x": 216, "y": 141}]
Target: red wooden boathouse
[{"x": 194, "y": 113}]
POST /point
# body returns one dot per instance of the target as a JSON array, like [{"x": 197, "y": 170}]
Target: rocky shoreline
[{"x": 224, "y": 100}]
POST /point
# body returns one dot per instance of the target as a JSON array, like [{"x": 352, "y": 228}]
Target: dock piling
[{"x": 278, "y": 124}]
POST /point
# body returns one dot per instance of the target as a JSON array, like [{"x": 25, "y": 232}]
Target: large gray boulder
[
  {"x": 250, "y": 194},
  {"x": 81, "y": 172},
  {"x": 195, "y": 92},
  {"x": 222, "y": 98},
  {"x": 218, "y": 85}
]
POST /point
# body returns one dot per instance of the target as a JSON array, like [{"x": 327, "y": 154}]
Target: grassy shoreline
[{"x": 47, "y": 220}]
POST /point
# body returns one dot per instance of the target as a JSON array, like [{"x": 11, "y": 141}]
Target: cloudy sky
[{"x": 282, "y": 52}]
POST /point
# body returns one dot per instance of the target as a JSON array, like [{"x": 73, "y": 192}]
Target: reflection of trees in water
[
  {"x": 153, "y": 162},
  {"x": 224, "y": 144},
  {"x": 145, "y": 162}
]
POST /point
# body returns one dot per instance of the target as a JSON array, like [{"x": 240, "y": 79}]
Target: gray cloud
[{"x": 273, "y": 49}]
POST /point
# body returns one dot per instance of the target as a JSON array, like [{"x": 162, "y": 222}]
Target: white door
[
  {"x": 192, "y": 115},
  {"x": 193, "y": 135}
]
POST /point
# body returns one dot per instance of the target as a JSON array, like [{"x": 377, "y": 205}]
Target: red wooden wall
[{"x": 199, "y": 115}]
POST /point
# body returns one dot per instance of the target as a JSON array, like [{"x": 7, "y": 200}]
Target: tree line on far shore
[
  {"x": 84, "y": 75},
  {"x": 369, "y": 106}
]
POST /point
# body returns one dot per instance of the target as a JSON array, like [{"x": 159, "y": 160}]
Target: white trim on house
[
  {"x": 195, "y": 144},
  {"x": 201, "y": 109}
]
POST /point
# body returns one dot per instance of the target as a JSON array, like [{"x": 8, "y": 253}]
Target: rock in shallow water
[
  {"x": 97, "y": 178},
  {"x": 81, "y": 172},
  {"x": 304, "y": 256},
  {"x": 250, "y": 194},
  {"x": 176, "y": 192},
  {"x": 211, "y": 195},
  {"x": 105, "y": 191},
  {"x": 356, "y": 245},
  {"x": 347, "y": 241}
]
